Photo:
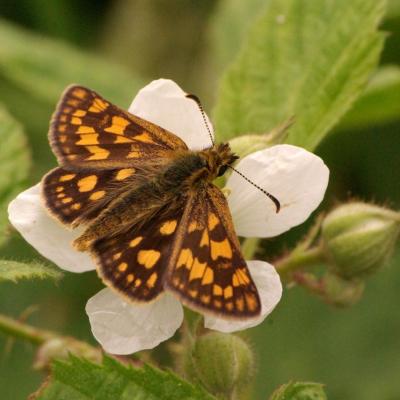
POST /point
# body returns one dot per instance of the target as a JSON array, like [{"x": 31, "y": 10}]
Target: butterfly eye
[{"x": 222, "y": 170}]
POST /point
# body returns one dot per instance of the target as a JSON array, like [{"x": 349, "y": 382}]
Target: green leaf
[
  {"x": 393, "y": 9},
  {"x": 15, "y": 271},
  {"x": 44, "y": 67},
  {"x": 299, "y": 391},
  {"x": 228, "y": 26},
  {"x": 310, "y": 59},
  {"x": 14, "y": 165},
  {"x": 81, "y": 379},
  {"x": 380, "y": 103}
]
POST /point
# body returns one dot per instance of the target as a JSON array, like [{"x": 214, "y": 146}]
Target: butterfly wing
[
  {"x": 88, "y": 131},
  {"x": 134, "y": 263},
  {"x": 79, "y": 196},
  {"x": 206, "y": 268}
]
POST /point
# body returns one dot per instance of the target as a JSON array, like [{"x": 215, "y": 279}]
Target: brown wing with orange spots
[
  {"x": 207, "y": 269},
  {"x": 134, "y": 263},
  {"x": 88, "y": 131},
  {"x": 79, "y": 196}
]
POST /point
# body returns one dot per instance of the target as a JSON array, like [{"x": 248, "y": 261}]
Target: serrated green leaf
[
  {"x": 16, "y": 270},
  {"x": 14, "y": 164},
  {"x": 80, "y": 379},
  {"x": 380, "y": 103},
  {"x": 299, "y": 391},
  {"x": 310, "y": 59},
  {"x": 44, "y": 67}
]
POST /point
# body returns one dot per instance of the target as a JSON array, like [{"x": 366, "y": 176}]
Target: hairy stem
[
  {"x": 299, "y": 259},
  {"x": 23, "y": 331}
]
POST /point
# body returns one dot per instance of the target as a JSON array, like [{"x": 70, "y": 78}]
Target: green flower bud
[
  {"x": 246, "y": 144},
  {"x": 342, "y": 292},
  {"x": 359, "y": 238},
  {"x": 222, "y": 363},
  {"x": 299, "y": 391}
]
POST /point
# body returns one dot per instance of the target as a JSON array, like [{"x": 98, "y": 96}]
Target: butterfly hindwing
[
  {"x": 134, "y": 263},
  {"x": 207, "y": 269},
  {"x": 73, "y": 196},
  {"x": 88, "y": 131}
]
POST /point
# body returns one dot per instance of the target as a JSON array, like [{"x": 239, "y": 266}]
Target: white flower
[{"x": 296, "y": 177}]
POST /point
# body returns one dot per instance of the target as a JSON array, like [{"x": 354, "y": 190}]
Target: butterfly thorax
[{"x": 163, "y": 190}]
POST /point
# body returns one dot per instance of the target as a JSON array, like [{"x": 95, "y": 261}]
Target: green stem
[
  {"x": 23, "y": 331},
  {"x": 249, "y": 247},
  {"x": 298, "y": 260}
]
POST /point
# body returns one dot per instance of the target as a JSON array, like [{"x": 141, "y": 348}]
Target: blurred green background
[{"x": 116, "y": 47}]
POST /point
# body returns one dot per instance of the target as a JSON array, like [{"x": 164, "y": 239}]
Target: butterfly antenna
[
  {"x": 198, "y": 102},
  {"x": 269, "y": 195}
]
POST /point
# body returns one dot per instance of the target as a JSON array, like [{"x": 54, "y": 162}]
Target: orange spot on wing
[
  {"x": 152, "y": 280},
  {"x": 205, "y": 240},
  {"x": 122, "y": 139},
  {"x": 185, "y": 258},
  {"x": 76, "y": 206},
  {"x": 144, "y": 137},
  {"x": 208, "y": 277},
  {"x": 98, "y": 153},
  {"x": 67, "y": 177},
  {"x": 228, "y": 292},
  {"x": 213, "y": 221},
  {"x": 221, "y": 249},
  {"x": 123, "y": 267},
  {"x": 80, "y": 93},
  {"x": 87, "y": 184},
  {"x": 168, "y": 227},
  {"x": 197, "y": 270},
  {"x": 79, "y": 113},
  {"x": 136, "y": 241},
  {"x": 148, "y": 258},
  {"x": 85, "y": 129},
  {"x": 88, "y": 139},
  {"x": 217, "y": 290},
  {"x": 98, "y": 105},
  {"x": 97, "y": 195},
  {"x": 124, "y": 173},
  {"x": 118, "y": 125}
]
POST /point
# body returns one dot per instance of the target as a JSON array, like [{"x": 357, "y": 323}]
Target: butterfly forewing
[
  {"x": 207, "y": 269},
  {"x": 134, "y": 263},
  {"x": 88, "y": 131}
]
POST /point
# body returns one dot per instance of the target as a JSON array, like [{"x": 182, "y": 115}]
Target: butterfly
[{"x": 146, "y": 204}]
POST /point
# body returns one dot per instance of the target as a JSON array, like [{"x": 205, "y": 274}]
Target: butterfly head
[{"x": 217, "y": 159}]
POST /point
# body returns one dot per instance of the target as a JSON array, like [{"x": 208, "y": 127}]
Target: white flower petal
[
  {"x": 269, "y": 288},
  {"x": 124, "y": 328},
  {"x": 164, "y": 103},
  {"x": 49, "y": 237},
  {"x": 296, "y": 177}
]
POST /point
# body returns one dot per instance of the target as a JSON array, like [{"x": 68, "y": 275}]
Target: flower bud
[
  {"x": 342, "y": 292},
  {"x": 222, "y": 363},
  {"x": 359, "y": 238},
  {"x": 299, "y": 391}
]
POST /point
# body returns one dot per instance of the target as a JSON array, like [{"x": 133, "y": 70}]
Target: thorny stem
[{"x": 24, "y": 331}]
